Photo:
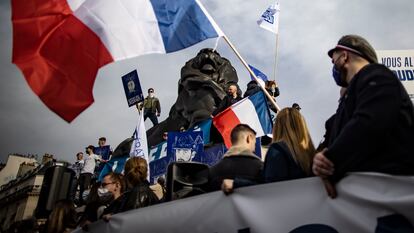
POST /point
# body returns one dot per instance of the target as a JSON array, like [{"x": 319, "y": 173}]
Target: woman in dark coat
[
  {"x": 291, "y": 152},
  {"x": 138, "y": 192}
]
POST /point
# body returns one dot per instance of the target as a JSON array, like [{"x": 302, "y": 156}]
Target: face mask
[
  {"x": 272, "y": 89},
  {"x": 104, "y": 195},
  {"x": 336, "y": 74},
  {"x": 102, "y": 191},
  {"x": 151, "y": 95}
]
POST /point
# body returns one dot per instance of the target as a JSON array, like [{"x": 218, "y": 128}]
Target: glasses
[{"x": 106, "y": 184}]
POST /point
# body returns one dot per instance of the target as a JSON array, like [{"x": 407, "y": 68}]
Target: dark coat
[
  {"x": 225, "y": 103},
  {"x": 279, "y": 164},
  {"x": 140, "y": 196},
  {"x": 373, "y": 128},
  {"x": 252, "y": 88},
  {"x": 114, "y": 206},
  {"x": 245, "y": 167}
]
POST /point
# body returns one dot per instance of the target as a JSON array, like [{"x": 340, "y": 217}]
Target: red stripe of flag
[
  {"x": 225, "y": 123},
  {"x": 58, "y": 55}
]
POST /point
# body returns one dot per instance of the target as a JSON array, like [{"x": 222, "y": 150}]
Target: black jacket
[
  {"x": 252, "y": 88},
  {"x": 245, "y": 167},
  {"x": 225, "y": 103},
  {"x": 373, "y": 128},
  {"x": 140, "y": 196}
]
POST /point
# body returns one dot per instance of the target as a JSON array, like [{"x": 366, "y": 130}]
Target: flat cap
[{"x": 357, "y": 45}]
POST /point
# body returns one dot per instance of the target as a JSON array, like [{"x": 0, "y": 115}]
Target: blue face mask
[{"x": 337, "y": 77}]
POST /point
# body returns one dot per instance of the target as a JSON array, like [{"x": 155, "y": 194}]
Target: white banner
[
  {"x": 401, "y": 62},
  {"x": 366, "y": 202}
]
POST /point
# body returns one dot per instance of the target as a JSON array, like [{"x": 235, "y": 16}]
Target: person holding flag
[{"x": 151, "y": 106}]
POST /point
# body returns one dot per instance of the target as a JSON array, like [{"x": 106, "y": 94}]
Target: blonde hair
[
  {"x": 136, "y": 170},
  {"x": 290, "y": 127}
]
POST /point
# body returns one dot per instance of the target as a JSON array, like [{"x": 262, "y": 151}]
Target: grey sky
[{"x": 307, "y": 30}]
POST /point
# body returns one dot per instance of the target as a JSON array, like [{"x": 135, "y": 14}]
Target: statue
[{"x": 202, "y": 86}]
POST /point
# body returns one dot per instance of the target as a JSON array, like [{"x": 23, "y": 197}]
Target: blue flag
[
  {"x": 258, "y": 74},
  {"x": 183, "y": 23},
  {"x": 116, "y": 164}
]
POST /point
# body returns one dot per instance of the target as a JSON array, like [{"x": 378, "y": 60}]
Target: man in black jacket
[
  {"x": 239, "y": 161},
  {"x": 233, "y": 96},
  {"x": 374, "y": 126}
]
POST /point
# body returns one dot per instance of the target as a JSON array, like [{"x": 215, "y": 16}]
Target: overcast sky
[{"x": 307, "y": 30}]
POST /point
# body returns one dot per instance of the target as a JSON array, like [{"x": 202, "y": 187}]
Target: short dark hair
[
  {"x": 151, "y": 89},
  {"x": 232, "y": 84},
  {"x": 102, "y": 139},
  {"x": 90, "y": 147},
  {"x": 240, "y": 128},
  {"x": 116, "y": 177}
]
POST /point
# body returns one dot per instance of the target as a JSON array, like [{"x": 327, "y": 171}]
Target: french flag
[
  {"x": 252, "y": 110},
  {"x": 59, "y": 45}
]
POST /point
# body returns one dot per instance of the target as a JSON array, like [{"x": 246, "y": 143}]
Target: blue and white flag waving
[
  {"x": 139, "y": 147},
  {"x": 270, "y": 18}
]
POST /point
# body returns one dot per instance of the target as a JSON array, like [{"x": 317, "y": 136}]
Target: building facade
[
  {"x": 19, "y": 196},
  {"x": 9, "y": 172}
]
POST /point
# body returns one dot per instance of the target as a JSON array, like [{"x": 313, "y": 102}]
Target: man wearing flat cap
[{"x": 374, "y": 125}]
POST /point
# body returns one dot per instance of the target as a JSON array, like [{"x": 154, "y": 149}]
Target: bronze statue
[{"x": 201, "y": 87}]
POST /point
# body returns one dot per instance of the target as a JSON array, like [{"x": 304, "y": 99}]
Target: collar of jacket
[{"x": 239, "y": 150}]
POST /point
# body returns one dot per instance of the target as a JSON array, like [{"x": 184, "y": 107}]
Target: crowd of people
[
  {"x": 374, "y": 109},
  {"x": 370, "y": 131}
]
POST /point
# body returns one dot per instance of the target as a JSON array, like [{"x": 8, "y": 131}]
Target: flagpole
[
  {"x": 276, "y": 57},
  {"x": 251, "y": 72}
]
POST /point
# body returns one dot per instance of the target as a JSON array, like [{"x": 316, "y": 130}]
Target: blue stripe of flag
[
  {"x": 262, "y": 110},
  {"x": 258, "y": 74},
  {"x": 182, "y": 23}
]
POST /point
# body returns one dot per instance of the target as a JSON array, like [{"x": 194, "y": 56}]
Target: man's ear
[
  {"x": 248, "y": 139},
  {"x": 346, "y": 56}
]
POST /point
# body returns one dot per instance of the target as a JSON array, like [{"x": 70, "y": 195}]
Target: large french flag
[
  {"x": 252, "y": 110},
  {"x": 59, "y": 45}
]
